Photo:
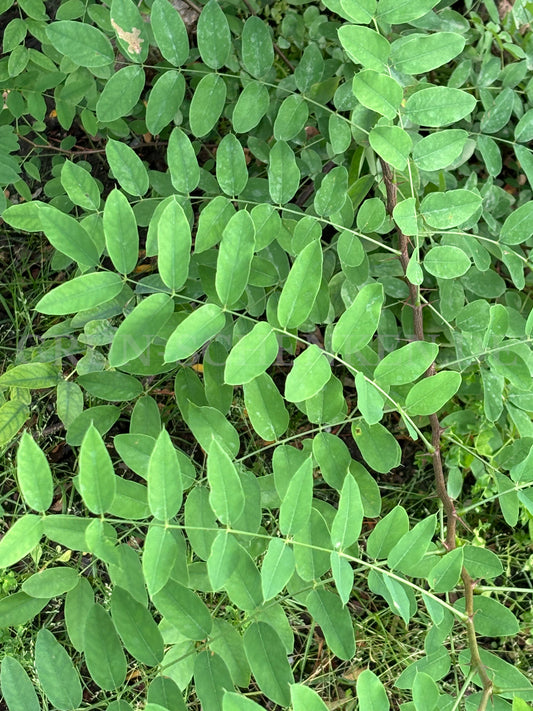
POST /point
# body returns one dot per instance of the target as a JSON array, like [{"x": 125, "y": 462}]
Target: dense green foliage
[{"x": 289, "y": 340}]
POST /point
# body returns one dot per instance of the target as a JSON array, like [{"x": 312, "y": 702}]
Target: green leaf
[
  {"x": 170, "y": 33},
  {"x": 57, "y": 674},
  {"x": 378, "y": 92},
  {"x": 213, "y": 35},
  {"x": 491, "y": 618},
  {"x": 498, "y": 115},
  {"x": 165, "y": 488},
  {"x": 18, "y": 608},
  {"x": 252, "y": 355},
  {"x": 120, "y": 229},
  {"x": 365, "y": 46},
  {"x": 137, "y": 628},
  {"x": 78, "y": 603},
  {"x": 166, "y": 96},
  {"x": 378, "y": 446},
  {"x": 224, "y": 557},
  {"x": 257, "y": 49},
  {"x": 227, "y": 643},
  {"x": 235, "y": 258},
  {"x": 97, "y": 477},
  {"x": 310, "y": 372},
  {"x": 102, "y": 416},
  {"x": 67, "y": 530},
  {"x": 194, "y": 331},
  {"x": 283, "y": 173},
  {"x": 445, "y": 575},
  {"x": 20, "y": 539},
  {"x": 236, "y": 702},
  {"x": 310, "y": 68},
  {"x": 343, "y": 575},
  {"x": 482, "y": 562},
  {"x": 348, "y": 520},
  {"x": 250, "y": 108},
  {"x": 387, "y": 532},
  {"x": 33, "y": 474},
  {"x": 425, "y": 692},
  {"x": 438, "y": 106},
  {"x": 518, "y": 226},
  {"x": 396, "y": 12},
  {"x": 524, "y": 128},
  {"x": 81, "y": 187},
  {"x": 184, "y": 610},
  {"x": 419, "y": 53},
  {"x": 85, "y": 45},
  {"x": 211, "y": 680},
  {"x": 208, "y": 424},
  {"x": 208, "y": 100},
  {"x": 371, "y": 215},
  {"x": 174, "y": 246},
  {"x": 431, "y": 394},
  {"x": 244, "y": 586},
  {"x": 100, "y": 540},
  {"x": 391, "y": 143},
  {"x": 412, "y": 546},
  {"x": 104, "y": 655},
  {"x": 111, "y": 385},
  {"x": 226, "y": 496},
  {"x": 13, "y": 414},
  {"x": 450, "y": 208},
  {"x": 164, "y": 691},
  {"x": 17, "y": 688},
  {"x": 439, "y": 149},
  {"x": 295, "y": 508},
  {"x": 127, "y": 168},
  {"x": 68, "y": 236},
  {"x": 212, "y": 222},
  {"x": 301, "y": 287},
  {"x": 81, "y": 293},
  {"x": 359, "y": 322},
  {"x": 371, "y": 692},
  {"x": 120, "y": 94},
  {"x": 446, "y": 262},
  {"x": 331, "y": 195},
  {"x": 51, "y": 582},
  {"x": 182, "y": 163},
  {"x": 265, "y": 407},
  {"x": 333, "y": 458},
  {"x": 24, "y": 216},
  {"x": 140, "y": 328},
  {"x": 159, "y": 555},
  {"x": 34, "y": 376},
  {"x": 304, "y": 698},
  {"x": 335, "y": 620},
  {"x": 291, "y": 119},
  {"x": 231, "y": 170},
  {"x": 132, "y": 37},
  {"x": 277, "y": 568},
  {"x": 406, "y": 364},
  {"x": 359, "y": 11},
  {"x": 268, "y": 661},
  {"x": 340, "y": 135},
  {"x": 491, "y": 154}
]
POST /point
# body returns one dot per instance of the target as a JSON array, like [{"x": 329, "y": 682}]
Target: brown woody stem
[{"x": 436, "y": 431}]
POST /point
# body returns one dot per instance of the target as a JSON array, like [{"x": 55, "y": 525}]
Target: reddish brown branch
[{"x": 436, "y": 432}]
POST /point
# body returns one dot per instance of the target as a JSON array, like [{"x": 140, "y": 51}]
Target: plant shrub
[{"x": 292, "y": 243}]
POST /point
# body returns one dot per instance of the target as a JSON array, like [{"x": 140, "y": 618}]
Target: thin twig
[
  {"x": 193, "y": 5},
  {"x": 436, "y": 432}
]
